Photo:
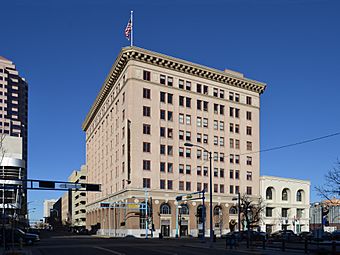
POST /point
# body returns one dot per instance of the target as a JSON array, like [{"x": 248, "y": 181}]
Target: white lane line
[{"x": 108, "y": 250}]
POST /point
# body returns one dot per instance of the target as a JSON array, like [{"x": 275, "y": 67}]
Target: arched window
[
  {"x": 299, "y": 195},
  {"x": 165, "y": 209},
  {"x": 217, "y": 210},
  {"x": 233, "y": 210},
  {"x": 269, "y": 193},
  {"x": 184, "y": 209},
  {"x": 285, "y": 195}
]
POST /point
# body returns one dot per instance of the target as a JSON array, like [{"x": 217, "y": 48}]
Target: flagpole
[{"x": 131, "y": 41}]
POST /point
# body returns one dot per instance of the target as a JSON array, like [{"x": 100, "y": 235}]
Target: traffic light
[{"x": 178, "y": 198}]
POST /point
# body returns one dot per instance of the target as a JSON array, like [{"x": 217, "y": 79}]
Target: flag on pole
[{"x": 128, "y": 29}]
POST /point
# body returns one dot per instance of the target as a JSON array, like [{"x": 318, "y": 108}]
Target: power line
[{"x": 295, "y": 144}]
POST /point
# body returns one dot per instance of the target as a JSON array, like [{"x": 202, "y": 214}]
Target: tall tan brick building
[{"x": 150, "y": 105}]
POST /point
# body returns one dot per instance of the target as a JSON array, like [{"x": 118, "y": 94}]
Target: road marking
[{"x": 108, "y": 250}]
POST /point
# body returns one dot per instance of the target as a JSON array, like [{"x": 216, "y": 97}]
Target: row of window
[
  {"x": 285, "y": 212},
  {"x": 200, "y": 88},
  {"x": 284, "y": 194},
  {"x": 186, "y": 185}
]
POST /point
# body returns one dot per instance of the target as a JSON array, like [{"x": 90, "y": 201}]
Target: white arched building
[{"x": 286, "y": 204}]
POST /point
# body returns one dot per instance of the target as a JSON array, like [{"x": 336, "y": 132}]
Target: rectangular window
[
  {"x": 215, "y": 124},
  {"x": 249, "y": 190},
  {"x": 181, "y": 101},
  {"x": 146, "y": 147},
  {"x": 231, "y": 96},
  {"x": 231, "y": 128},
  {"x": 221, "y": 188},
  {"x": 170, "y": 185},
  {"x": 221, "y": 93},
  {"x": 188, "y": 152},
  {"x": 221, "y": 173},
  {"x": 231, "y": 189},
  {"x": 215, "y": 172},
  {"x": 231, "y": 143},
  {"x": 237, "y": 113},
  {"x": 181, "y": 118},
  {"x": 199, "y": 186},
  {"x": 248, "y": 100},
  {"x": 181, "y": 84},
  {"x": 249, "y": 176},
  {"x": 162, "y": 184},
  {"x": 187, "y": 169},
  {"x": 205, "y": 155},
  {"x": 188, "y": 136},
  {"x": 205, "y": 171},
  {"x": 188, "y": 186},
  {"x": 170, "y": 168},
  {"x": 162, "y": 79},
  {"x": 205, "y": 186},
  {"x": 269, "y": 212},
  {"x": 170, "y": 150},
  {"x": 216, "y": 108},
  {"x": 162, "y": 167},
  {"x": 170, "y": 116},
  {"x": 199, "y": 138},
  {"x": 199, "y": 122},
  {"x": 248, "y": 115},
  {"x": 215, "y": 140},
  {"x": 221, "y": 125},
  {"x": 237, "y": 128},
  {"x": 237, "y": 174},
  {"x": 215, "y": 188},
  {"x": 215, "y": 156},
  {"x": 221, "y": 157},
  {"x": 181, "y": 135},
  {"x": 162, "y": 114},
  {"x": 181, "y": 185},
  {"x": 237, "y": 159},
  {"x": 181, "y": 169},
  {"x": 205, "y": 122},
  {"x": 205, "y": 90},
  {"x": 162, "y": 97},
  {"x": 170, "y": 133},
  {"x": 231, "y": 174},
  {"x": 146, "y": 93},
  {"x": 146, "y": 111},
  {"x": 249, "y": 161},
  {"x": 237, "y": 144},
  {"x": 170, "y": 98},
  {"x": 147, "y": 165},
  {"x": 188, "y": 102},
  {"x": 215, "y": 92},
  {"x": 146, "y": 75},
  {"x": 237, "y": 97},
  {"x": 188, "y": 85},
  {"x": 188, "y": 119},
  {"x": 199, "y": 88},
  {"x": 146, "y": 129},
  {"x": 162, "y": 131},
  {"x": 199, "y": 154},
  {"x": 221, "y": 141},
  {"x": 170, "y": 81},
  {"x": 205, "y": 106},
  {"x": 199, "y": 105},
  {"x": 222, "y": 109},
  {"x": 231, "y": 111},
  {"x": 146, "y": 183},
  {"x": 249, "y": 131},
  {"x": 199, "y": 170},
  {"x": 237, "y": 189},
  {"x": 249, "y": 146},
  {"x": 284, "y": 212},
  {"x": 231, "y": 159},
  {"x": 205, "y": 138},
  {"x": 181, "y": 151}
]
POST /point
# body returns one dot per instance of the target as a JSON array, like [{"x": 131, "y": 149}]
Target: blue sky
[{"x": 66, "y": 48}]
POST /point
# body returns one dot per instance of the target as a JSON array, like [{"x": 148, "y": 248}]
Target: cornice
[{"x": 157, "y": 59}]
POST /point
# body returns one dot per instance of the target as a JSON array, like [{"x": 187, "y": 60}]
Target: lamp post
[
  {"x": 238, "y": 198},
  {"x": 210, "y": 189}
]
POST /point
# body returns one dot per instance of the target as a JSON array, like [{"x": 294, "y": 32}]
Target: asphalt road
[{"x": 87, "y": 245}]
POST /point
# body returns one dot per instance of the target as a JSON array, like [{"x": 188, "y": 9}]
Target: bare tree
[
  {"x": 251, "y": 210},
  {"x": 331, "y": 187}
]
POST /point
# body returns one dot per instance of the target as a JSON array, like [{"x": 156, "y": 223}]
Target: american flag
[{"x": 128, "y": 29}]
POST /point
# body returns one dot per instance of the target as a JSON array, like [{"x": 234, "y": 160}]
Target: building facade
[
  {"x": 13, "y": 139},
  {"x": 331, "y": 217},
  {"x": 287, "y": 204},
  {"x": 48, "y": 205},
  {"x": 148, "y": 107},
  {"x": 78, "y": 199}
]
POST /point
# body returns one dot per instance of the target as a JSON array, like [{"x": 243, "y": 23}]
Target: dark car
[
  {"x": 336, "y": 235},
  {"x": 253, "y": 235},
  {"x": 284, "y": 234},
  {"x": 27, "y": 238},
  {"x": 306, "y": 235},
  {"x": 234, "y": 234}
]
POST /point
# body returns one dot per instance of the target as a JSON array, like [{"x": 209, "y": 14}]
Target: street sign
[{"x": 133, "y": 206}]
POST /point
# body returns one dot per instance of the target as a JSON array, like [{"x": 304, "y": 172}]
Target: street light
[
  {"x": 210, "y": 190},
  {"x": 238, "y": 198}
]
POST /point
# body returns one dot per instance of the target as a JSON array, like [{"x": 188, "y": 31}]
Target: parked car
[
  {"x": 336, "y": 235},
  {"x": 284, "y": 234},
  {"x": 306, "y": 235},
  {"x": 235, "y": 234},
  {"x": 27, "y": 238},
  {"x": 254, "y": 235}
]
